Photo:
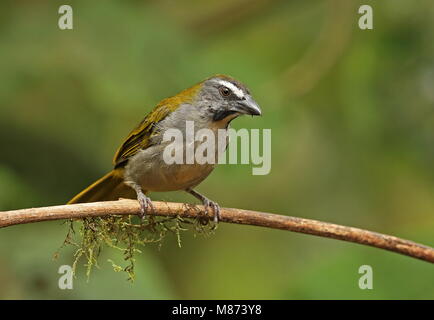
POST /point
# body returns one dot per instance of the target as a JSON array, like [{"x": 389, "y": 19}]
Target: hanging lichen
[{"x": 127, "y": 234}]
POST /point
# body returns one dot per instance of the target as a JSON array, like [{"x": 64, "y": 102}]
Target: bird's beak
[{"x": 248, "y": 106}]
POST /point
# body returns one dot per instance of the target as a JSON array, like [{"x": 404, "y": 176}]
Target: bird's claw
[
  {"x": 145, "y": 204},
  {"x": 215, "y": 207},
  {"x": 207, "y": 203}
]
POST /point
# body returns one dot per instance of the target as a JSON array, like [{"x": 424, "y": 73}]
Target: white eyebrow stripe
[{"x": 237, "y": 91}]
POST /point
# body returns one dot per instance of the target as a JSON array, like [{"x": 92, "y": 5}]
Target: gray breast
[{"x": 149, "y": 170}]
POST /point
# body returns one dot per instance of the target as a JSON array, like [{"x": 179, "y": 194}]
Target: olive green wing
[{"x": 139, "y": 138}]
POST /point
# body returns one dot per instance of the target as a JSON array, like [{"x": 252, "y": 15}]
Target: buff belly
[{"x": 148, "y": 169}]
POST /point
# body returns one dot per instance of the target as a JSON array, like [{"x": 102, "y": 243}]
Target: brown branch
[{"x": 307, "y": 226}]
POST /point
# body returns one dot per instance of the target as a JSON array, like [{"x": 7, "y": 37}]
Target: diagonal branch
[{"x": 239, "y": 216}]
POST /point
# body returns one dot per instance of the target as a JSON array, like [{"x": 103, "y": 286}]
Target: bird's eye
[{"x": 224, "y": 91}]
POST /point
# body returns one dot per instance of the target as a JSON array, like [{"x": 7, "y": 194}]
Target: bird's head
[{"x": 222, "y": 98}]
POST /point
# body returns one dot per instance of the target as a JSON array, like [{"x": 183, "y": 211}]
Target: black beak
[{"x": 248, "y": 106}]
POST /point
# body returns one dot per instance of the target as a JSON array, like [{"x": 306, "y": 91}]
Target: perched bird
[{"x": 139, "y": 166}]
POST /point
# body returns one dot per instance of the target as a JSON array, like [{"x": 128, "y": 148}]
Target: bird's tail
[{"x": 109, "y": 187}]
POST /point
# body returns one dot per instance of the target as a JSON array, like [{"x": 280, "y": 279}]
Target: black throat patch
[{"x": 222, "y": 114}]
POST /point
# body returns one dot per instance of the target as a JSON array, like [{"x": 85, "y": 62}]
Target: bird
[{"x": 139, "y": 165}]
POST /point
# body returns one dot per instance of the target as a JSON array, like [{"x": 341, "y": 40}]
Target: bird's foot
[
  {"x": 215, "y": 207},
  {"x": 207, "y": 203},
  {"x": 145, "y": 205}
]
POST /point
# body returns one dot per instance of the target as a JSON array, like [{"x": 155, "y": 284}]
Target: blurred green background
[{"x": 352, "y": 119}]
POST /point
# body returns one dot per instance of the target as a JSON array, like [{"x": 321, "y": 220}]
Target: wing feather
[{"x": 140, "y": 137}]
